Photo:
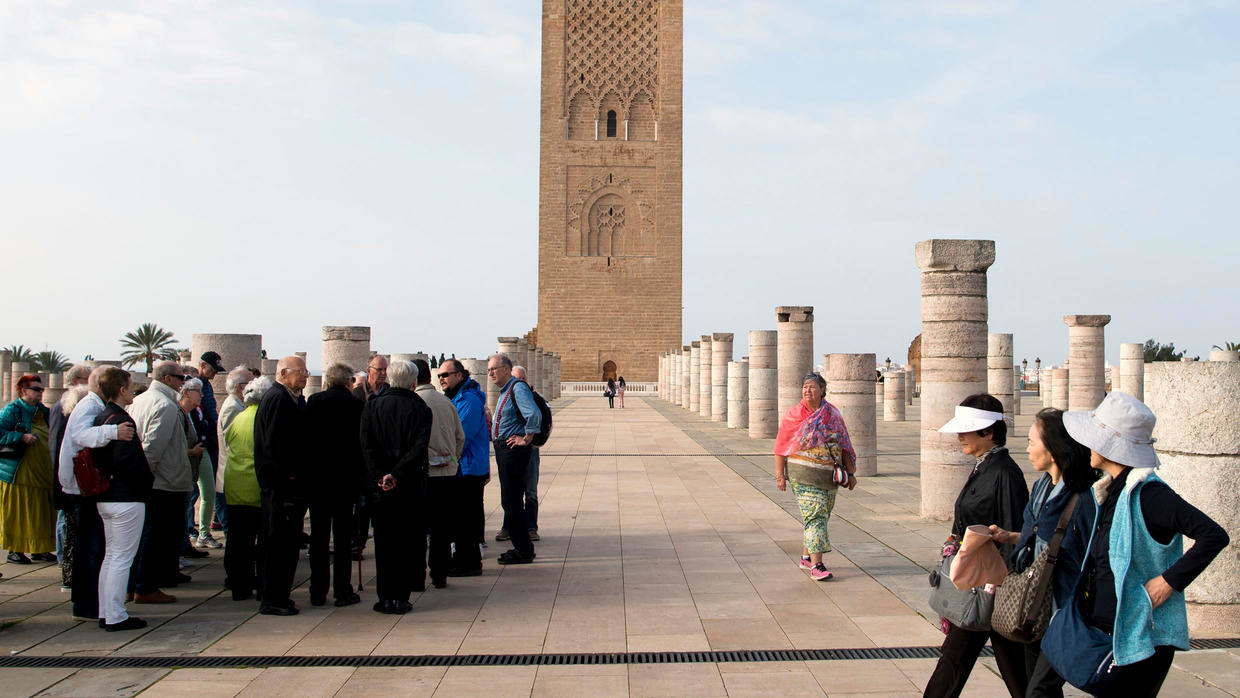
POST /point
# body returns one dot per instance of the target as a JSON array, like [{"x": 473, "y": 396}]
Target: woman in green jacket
[
  {"x": 242, "y": 494},
  {"x": 27, "y": 518}
]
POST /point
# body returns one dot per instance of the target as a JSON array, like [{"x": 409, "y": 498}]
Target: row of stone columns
[{"x": 542, "y": 367}]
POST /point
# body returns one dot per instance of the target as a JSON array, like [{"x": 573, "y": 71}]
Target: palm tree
[
  {"x": 49, "y": 361},
  {"x": 149, "y": 343},
  {"x": 1231, "y": 346},
  {"x": 23, "y": 354}
]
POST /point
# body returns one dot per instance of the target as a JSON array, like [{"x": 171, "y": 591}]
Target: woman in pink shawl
[{"x": 812, "y": 441}]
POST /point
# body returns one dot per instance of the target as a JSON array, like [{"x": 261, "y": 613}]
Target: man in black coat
[
  {"x": 280, "y": 452},
  {"x": 337, "y": 469},
  {"x": 395, "y": 435}
]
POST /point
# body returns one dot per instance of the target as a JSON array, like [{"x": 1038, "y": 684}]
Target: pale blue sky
[{"x": 273, "y": 167}]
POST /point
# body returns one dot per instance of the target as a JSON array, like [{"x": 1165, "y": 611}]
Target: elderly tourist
[
  {"x": 81, "y": 433},
  {"x": 812, "y": 441},
  {"x": 517, "y": 421},
  {"x": 234, "y": 403},
  {"x": 122, "y": 508},
  {"x": 164, "y": 431},
  {"x": 243, "y": 494},
  {"x": 994, "y": 494},
  {"x": 333, "y": 418},
  {"x": 376, "y": 379},
  {"x": 531, "y": 481},
  {"x": 281, "y": 453},
  {"x": 475, "y": 467},
  {"x": 76, "y": 379},
  {"x": 1066, "y": 473},
  {"x": 209, "y": 365},
  {"x": 1131, "y": 594},
  {"x": 396, "y": 433},
  {"x": 27, "y": 518},
  {"x": 443, "y": 462},
  {"x": 202, "y": 496}
]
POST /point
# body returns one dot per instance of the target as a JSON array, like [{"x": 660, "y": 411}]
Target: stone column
[
  {"x": 17, "y": 369},
  {"x": 999, "y": 369},
  {"x": 6, "y": 376},
  {"x": 1198, "y": 445},
  {"x": 1060, "y": 378},
  {"x": 721, "y": 356},
  {"x": 1044, "y": 386},
  {"x": 763, "y": 384},
  {"x": 686, "y": 368},
  {"x": 695, "y": 375},
  {"x": 1224, "y": 356},
  {"x": 662, "y": 387},
  {"x": 850, "y": 387},
  {"x": 504, "y": 345},
  {"x": 707, "y": 357},
  {"x": 909, "y": 385},
  {"x": 538, "y": 359},
  {"x": 1016, "y": 391},
  {"x": 234, "y": 350},
  {"x": 893, "y": 397},
  {"x": 738, "y": 394},
  {"x": 477, "y": 369},
  {"x": 953, "y": 359},
  {"x": 53, "y": 388},
  {"x": 267, "y": 367},
  {"x": 314, "y": 384},
  {"x": 348, "y": 345},
  {"x": 880, "y": 388},
  {"x": 795, "y": 327},
  {"x": 1087, "y": 361}
]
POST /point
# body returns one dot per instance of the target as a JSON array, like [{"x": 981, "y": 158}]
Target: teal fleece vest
[{"x": 1135, "y": 559}]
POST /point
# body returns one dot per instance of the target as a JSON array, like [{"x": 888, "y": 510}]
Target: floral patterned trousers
[{"x": 816, "y": 505}]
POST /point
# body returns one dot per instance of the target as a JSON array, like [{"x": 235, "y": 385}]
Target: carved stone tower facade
[{"x": 609, "y": 224}]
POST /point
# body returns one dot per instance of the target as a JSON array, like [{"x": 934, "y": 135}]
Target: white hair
[
  {"x": 71, "y": 397},
  {"x": 337, "y": 374},
  {"x": 402, "y": 374},
  {"x": 360, "y": 377},
  {"x": 163, "y": 369},
  {"x": 519, "y": 370},
  {"x": 191, "y": 385},
  {"x": 255, "y": 389},
  {"x": 79, "y": 372},
  {"x": 237, "y": 377}
]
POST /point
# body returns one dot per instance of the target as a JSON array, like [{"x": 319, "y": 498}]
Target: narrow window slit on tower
[{"x": 611, "y": 123}]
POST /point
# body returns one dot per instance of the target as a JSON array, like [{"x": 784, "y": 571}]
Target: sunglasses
[
  {"x": 445, "y": 374},
  {"x": 37, "y": 389}
]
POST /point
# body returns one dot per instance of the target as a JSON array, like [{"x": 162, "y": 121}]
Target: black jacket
[
  {"x": 395, "y": 435},
  {"x": 995, "y": 493},
  {"x": 280, "y": 442},
  {"x": 333, "y": 419},
  {"x": 123, "y": 461}
]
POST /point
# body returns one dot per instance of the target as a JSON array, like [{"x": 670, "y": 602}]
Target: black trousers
[
  {"x": 331, "y": 520},
  {"x": 88, "y": 545},
  {"x": 440, "y": 501},
  {"x": 470, "y": 521},
  {"x": 512, "y": 463},
  {"x": 960, "y": 651},
  {"x": 242, "y": 553},
  {"x": 284, "y": 516},
  {"x": 1044, "y": 681},
  {"x": 157, "y": 564},
  {"x": 400, "y": 541},
  {"x": 1145, "y": 678}
]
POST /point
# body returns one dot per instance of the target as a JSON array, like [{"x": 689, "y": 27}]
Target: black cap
[{"x": 213, "y": 360}]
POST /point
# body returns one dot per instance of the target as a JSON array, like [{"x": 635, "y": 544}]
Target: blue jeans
[{"x": 531, "y": 492}]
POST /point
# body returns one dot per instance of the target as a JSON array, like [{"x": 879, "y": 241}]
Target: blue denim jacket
[{"x": 525, "y": 419}]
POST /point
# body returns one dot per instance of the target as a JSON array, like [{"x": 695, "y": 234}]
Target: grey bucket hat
[{"x": 1120, "y": 430}]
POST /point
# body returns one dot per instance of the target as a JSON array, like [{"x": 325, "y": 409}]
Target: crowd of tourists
[
  {"x": 123, "y": 484},
  {"x": 1111, "y": 612}
]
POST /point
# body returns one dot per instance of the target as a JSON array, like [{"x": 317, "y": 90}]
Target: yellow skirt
[{"x": 27, "y": 518}]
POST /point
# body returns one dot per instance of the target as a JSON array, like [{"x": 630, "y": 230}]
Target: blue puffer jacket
[
  {"x": 471, "y": 406},
  {"x": 15, "y": 420}
]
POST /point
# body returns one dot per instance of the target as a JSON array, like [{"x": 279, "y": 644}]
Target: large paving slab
[{"x": 661, "y": 531}]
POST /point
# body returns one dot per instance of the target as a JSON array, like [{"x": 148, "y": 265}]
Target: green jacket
[
  {"x": 15, "y": 420},
  {"x": 240, "y": 482}
]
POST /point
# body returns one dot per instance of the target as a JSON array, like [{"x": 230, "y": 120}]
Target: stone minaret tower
[{"x": 609, "y": 236}]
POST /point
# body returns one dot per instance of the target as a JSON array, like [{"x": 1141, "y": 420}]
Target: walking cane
[{"x": 359, "y": 547}]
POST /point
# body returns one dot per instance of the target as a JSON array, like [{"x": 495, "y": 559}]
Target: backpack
[{"x": 544, "y": 431}]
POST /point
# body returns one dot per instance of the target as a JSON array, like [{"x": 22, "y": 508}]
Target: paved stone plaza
[{"x": 662, "y": 531}]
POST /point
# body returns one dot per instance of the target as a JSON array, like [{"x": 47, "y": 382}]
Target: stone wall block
[{"x": 850, "y": 385}]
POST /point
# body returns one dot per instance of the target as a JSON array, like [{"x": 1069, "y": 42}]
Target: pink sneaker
[
  {"x": 805, "y": 563},
  {"x": 819, "y": 573}
]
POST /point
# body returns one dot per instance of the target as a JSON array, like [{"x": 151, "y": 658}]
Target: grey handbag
[{"x": 969, "y": 609}]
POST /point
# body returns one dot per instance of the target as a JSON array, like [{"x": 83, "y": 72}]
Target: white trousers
[{"x": 122, "y": 530}]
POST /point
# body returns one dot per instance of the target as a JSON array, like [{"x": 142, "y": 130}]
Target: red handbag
[{"x": 90, "y": 480}]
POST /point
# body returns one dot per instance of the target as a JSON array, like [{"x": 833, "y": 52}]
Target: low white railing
[{"x": 596, "y": 388}]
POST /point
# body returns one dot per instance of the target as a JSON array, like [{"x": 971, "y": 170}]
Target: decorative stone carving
[
  {"x": 610, "y": 216},
  {"x": 611, "y": 55}
]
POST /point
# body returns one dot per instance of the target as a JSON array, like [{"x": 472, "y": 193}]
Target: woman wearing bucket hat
[
  {"x": 995, "y": 493},
  {"x": 1130, "y": 592}
]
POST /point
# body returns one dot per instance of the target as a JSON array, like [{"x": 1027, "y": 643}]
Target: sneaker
[
  {"x": 129, "y": 623},
  {"x": 208, "y": 542},
  {"x": 805, "y": 563},
  {"x": 348, "y": 600},
  {"x": 43, "y": 557},
  {"x": 501, "y": 536},
  {"x": 820, "y": 573},
  {"x": 21, "y": 559},
  {"x": 289, "y": 610},
  {"x": 513, "y": 557},
  {"x": 534, "y": 535}
]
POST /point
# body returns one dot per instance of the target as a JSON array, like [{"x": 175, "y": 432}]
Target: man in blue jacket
[{"x": 475, "y": 472}]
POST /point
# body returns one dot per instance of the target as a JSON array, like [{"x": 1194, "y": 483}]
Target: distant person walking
[
  {"x": 610, "y": 393},
  {"x": 620, "y": 385}
]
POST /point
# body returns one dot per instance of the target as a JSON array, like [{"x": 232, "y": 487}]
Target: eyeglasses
[
  {"x": 443, "y": 374},
  {"x": 376, "y": 369},
  {"x": 37, "y": 389}
]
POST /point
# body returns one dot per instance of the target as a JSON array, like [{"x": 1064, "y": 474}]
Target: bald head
[{"x": 291, "y": 373}]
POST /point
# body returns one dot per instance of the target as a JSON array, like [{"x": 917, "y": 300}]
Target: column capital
[
  {"x": 721, "y": 337},
  {"x": 1086, "y": 320},
  {"x": 955, "y": 255},
  {"x": 794, "y": 313}
]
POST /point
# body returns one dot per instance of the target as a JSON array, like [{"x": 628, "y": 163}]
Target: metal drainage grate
[{"x": 713, "y": 657}]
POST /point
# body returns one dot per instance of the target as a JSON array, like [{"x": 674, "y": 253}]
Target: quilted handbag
[{"x": 1023, "y": 601}]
